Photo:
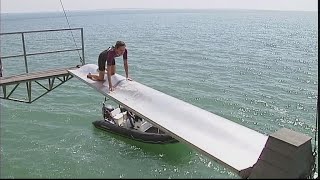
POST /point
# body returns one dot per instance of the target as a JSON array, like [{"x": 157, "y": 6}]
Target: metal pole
[
  {"x": 24, "y": 53},
  {"x": 0, "y": 67},
  {"x": 29, "y": 90},
  {"x": 82, "y": 42}
]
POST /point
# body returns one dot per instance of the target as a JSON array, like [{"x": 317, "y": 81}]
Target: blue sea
[{"x": 255, "y": 68}]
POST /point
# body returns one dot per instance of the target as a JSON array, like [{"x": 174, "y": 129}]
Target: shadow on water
[{"x": 172, "y": 153}]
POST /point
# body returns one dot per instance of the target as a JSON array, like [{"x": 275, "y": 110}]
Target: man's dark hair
[{"x": 119, "y": 44}]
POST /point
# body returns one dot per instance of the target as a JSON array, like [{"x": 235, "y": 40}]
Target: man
[{"x": 108, "y": 56}]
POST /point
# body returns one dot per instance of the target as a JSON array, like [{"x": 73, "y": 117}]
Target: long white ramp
[{"x": 229, "y": 143}]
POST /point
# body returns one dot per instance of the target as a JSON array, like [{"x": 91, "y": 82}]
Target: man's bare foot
[
  {"x": 129, "y": 79},
  {"x": 89, "y": 76}
]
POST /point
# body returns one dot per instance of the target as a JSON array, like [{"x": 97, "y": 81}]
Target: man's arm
[
  {"x": 125, "y": 65},
  {"x": 109, "y": 77}
]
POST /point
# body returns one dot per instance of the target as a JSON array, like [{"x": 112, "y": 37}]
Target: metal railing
[
  {"x": 55, "y": 77},
  {"x": 25, "y": 54}
]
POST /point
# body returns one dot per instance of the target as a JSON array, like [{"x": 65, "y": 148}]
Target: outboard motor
[
  {"x": 109, "y": 108},
  {"x": 106, "y": 110},
  {"x": 137, "y": 118}
]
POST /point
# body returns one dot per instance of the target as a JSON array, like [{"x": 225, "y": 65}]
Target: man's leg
[
  {"x": 99, "y": 77},
  {"x": 101, "y": 68}
]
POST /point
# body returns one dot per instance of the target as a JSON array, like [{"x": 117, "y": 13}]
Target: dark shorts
[{"x": 102, "y": 61}]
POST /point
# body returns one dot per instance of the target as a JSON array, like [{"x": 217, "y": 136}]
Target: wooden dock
[
  {"x": 4, "y": 81},
  {"x": 55, "y": 77}
]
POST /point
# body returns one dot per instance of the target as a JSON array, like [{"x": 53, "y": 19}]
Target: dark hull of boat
[{"x": 145, "y": 137}]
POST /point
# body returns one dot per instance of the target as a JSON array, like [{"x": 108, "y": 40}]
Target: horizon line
[{"x": 124, "y": 9}]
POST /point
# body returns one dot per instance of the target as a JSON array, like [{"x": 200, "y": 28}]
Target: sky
[{"x": 22, "y": 6}]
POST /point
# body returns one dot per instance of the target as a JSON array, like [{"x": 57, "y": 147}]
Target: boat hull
[{"x": 153, "y": 138}]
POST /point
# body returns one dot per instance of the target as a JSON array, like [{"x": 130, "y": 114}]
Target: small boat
[{"x": 123, "y": 122}]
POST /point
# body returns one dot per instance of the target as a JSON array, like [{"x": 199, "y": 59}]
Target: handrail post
[
  {"x": 1, "y": 67},
  {"x": 82, "y": 43},
  {"x": 24, "y": 52}
]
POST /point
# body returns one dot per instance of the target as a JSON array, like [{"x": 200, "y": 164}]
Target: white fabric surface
[{"x": 229, "y": 143}]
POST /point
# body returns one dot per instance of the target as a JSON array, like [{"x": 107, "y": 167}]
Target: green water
[{"x": 256, "y": 68}]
